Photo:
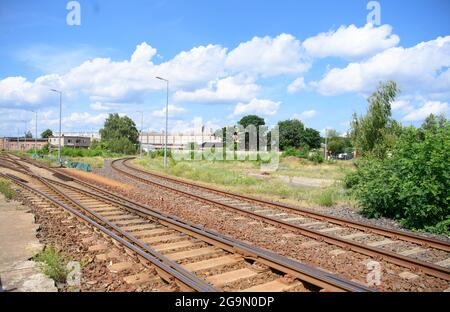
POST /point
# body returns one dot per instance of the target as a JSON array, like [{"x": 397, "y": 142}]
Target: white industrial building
[{"x": 155, "y": 140}]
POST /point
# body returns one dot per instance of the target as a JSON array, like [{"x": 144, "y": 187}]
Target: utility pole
[
  {"x": 141, "y": 136},
  {"x": 167, "y": 120},
  {"x": 60, "y": 131},
  {"x": 25, "y": 136},
  {"x": 35, "y": 133}
]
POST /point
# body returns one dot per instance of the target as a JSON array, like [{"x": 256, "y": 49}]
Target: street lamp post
[
  {"x": 60, "y": 131},
  {"x": 35, "y": 131},
  {"x": 141, "y": 135},
  {"x": 167, "y": 120},
  {"x": 35, "y": 134},
  {"x": 25, "y": 137}
]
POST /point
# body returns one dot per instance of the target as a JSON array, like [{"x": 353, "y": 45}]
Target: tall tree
[
  {"x": 120, "y": 134},
  {"x": 28, "y": 135},
  {"x": 251, "y": 120},
  {"x": 290, "y": 133},
  {"x": 375, "y": 132},
  {"x": 255, "y": 121},
  {"x": 46, "y": 134},
  {"x": 432, "y": 122},
  {"x": 311, "y": 137}
]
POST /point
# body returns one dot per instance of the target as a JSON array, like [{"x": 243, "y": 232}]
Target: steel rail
[
  {"x": 377, "y": 253},
  {"x": 187, "y": 279},
  {"x": 246, "y": 250},
  {"x": 140, "y": 243},
  {"x": 294, "y": 268},
  {"x": 410, "y": 237}
]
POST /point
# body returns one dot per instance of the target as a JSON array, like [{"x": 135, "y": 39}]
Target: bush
[
  {"x": 121, "y": 145},
  {"x": 290, "y": 151},
  {"x": 6, "y": 189},
  {"x": 316, "y": 156},
  {"x": 52, "y": 264},
  {"x": 413, "y": 185},
  {"x": 326, "y": 198}
]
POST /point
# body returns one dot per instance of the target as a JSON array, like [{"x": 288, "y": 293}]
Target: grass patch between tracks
[{"x": 245, "y": 177}]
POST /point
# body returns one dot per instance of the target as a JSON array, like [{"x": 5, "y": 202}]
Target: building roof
[{"x": 24, "y": 139}]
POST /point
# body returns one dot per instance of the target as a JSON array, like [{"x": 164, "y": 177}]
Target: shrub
[
  {"x": 316, "y": 156},
  {"x": 52, "y": 264},
  {"x": 290, "y": 151},
  {"x": 6, "y": 189},
  {"x": 413, "y": 185},
  {"x": 326, "y": 198}
]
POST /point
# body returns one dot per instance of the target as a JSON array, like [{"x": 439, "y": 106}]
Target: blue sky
[{"x": 316, "y": 61}]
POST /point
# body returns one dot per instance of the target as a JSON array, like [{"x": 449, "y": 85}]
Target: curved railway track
[
  {"x": 373, "y": 241},
  {"x": 196, "y": 258}
]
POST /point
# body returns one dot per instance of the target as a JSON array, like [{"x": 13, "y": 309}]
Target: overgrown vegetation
[
  {"x": 53, "y": 263},
  {"x": 245, "y": 177},
  {"x": 6, "y": 189},
  {"x": 293, "y": 134},
  {"x": 314, "y": 155},
  {"x": 404, "y": 173},
  {"x": 375, "y": 133},
  {"x": 119, "y": 134}
]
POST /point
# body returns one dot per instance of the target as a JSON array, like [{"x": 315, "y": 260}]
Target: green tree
[
  {"x": 311, "y": 137},
  {"x": 28, "y": 134},
  {"x": 432, "y": 123},
  {"x": 413, "y": 184},
  {"x": 251, "y": 120},
  {"x": 335, "y": 146},
  {"x": 46, "y": 134},
  {"x": 375, "y": 133},
  {"x": 120, "y": 134},
  {"x": 255, "y": 121},
  {"x": 290, "y": 133}
]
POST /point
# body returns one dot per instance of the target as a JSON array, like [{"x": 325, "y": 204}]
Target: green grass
[
  {"x": 53, "y": 264},
  {"x": 245, "y": 177},
  {"x": 326, "y": 198},
  {"x": 6, "y": 189}
]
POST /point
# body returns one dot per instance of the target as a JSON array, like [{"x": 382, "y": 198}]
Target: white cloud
[
  {"x": 431, "y": 107},
  {"x": 226, "y": 89},
  {"x": 399, "y": 104},
  {"x": 306, "y": 115},
  {"x": 257, "y": 106},
  {"x": 351, "y": 42},
  {"x": 103, "y": 106},
  {"x": 269, "y": 56},
  {"x": 173, "y": 110},
  {"x": 296, "y": 85},
  {"x": 143, "y": 53},
  {"x": 104, "y": 80},
  {"x": 18, "y": 92},
  {"x": 74, "y": 121},
  {"x": 421, "y": 68}
]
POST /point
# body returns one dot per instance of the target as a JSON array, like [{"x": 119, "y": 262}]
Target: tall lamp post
[
  {"x": 35, "y": 130},
  {"x": 167, "y": 120},
  {"x": 60, "y": 132},
  {"x": 141, "y": 135}
]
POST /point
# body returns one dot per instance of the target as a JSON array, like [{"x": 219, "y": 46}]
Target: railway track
[
  {"x": 401, "y": 248},
  {"x": 196, "y": 258}
]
